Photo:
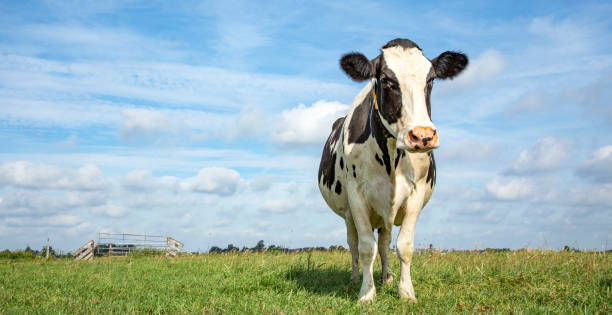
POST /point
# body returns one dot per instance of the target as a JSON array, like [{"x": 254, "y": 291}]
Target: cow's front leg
[
  {"x": 384, "y": 239},
  {"x": 405, "y": 248},
  {"x": 367, "y": 246},
  {"x": 351, "y": 239}
]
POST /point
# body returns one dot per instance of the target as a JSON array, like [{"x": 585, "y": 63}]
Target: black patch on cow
[
  {"x": 359, "y": 126},
  {"x": 381, "y": 135},
  {"x": 449, "y": 64},
  {"x": 400, "y": 154},
  {"x": 431, "y": 171},
  {"x": 357, "y": 66},
  {"x": 354, "y": 173},
  {"x": 327, "y": 167},
  {"x": 388, "y": 94},
  {"x": 406, "y": 43},
  {"x": 341, "y": 163},
  {"x": 378, "y": 159},
  {"x": 338, "y": 189}
]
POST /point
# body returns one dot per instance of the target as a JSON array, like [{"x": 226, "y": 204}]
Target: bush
[{"x": 19, "y": 254}]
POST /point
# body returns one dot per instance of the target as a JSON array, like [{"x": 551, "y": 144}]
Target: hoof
[
  {"x": 410, "y": 299},
  {"x": 407, "y": 297},
  {"x": 367, "y": 297},
  {"x": 388, "y": 280}
]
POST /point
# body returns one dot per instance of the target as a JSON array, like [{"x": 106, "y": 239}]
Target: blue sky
[{"x": 205, "y": 121}]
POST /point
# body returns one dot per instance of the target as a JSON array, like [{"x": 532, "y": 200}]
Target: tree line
[
  {"x": 29, "y": 253},
  {"x": 261, "y": 247}
]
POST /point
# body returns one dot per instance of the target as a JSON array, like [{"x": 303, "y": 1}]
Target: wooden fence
[
  {"x": 110, "y": 244},
  {"x": 86, "y": 252},
  {"x": 113, "y": 244},
  {"x": 173, "y": 247}
]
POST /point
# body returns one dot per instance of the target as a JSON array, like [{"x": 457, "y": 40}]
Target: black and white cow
[{"x": 377, "y": 168}]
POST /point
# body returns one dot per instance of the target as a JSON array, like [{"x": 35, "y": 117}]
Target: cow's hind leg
[
  {"x": 367, "y": 246},
  {"x": 351, "y": 239},
  {"x": 384, "y": 239}
]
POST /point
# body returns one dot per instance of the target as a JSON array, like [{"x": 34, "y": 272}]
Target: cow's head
[{"x": 403, "y": 81}]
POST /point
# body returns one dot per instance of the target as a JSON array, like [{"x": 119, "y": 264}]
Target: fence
[
  {"x": 173, "y": 247},
  {"x": 110, "y": 244},
  {"x": 86, "y": 252}
]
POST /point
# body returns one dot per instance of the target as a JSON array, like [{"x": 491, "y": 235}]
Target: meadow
[{"x": 524, "y": 281}]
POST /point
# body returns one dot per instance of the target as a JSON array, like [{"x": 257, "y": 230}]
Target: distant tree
[
  {"x": 259, "y": 247},
  {"x": 215, "y": 250},
  {"x": 6, "y": 254},
  {"x": 28, "y": 249},
  {"x": 276, "y": 249},
  {"x": 231, "y": 248},
  {"x": 338, "y": 248}
]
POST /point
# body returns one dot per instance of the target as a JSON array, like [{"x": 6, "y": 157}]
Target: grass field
[{"x": 519, "y": 281}]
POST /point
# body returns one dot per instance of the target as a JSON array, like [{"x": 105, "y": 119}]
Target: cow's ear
[
  {"x": 357, "y": 66},
  {"x": 449, "y": 64}
]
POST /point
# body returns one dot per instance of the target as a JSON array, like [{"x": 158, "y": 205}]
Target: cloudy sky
[{"x": 206, "y": 121}]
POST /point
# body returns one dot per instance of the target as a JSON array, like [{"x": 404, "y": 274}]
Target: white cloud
[
  {"x": 111, "y": 210},
  {"x": 100, "y": 42},
  {"x": 486, "y": 66},
  {"x": 308, "y": 125},
  {"x": 29, "y": 175},
  {"x": 240, "y": 29},
  {"x": 175, "y": 84},
  {"x": 250, "y": 122},
  {"x": 467, "y": 150},
  {"x": 69, "y": 142},
  {"x": 589, "y": 197},
  {"x": 599, "y": 167},
  {"x": 62, "y": 220},
  {"x": 56, "y": 220},
  {"x": 531, "y": 101},
  {"x": 25, "y": 202},
  {"x": 279, "y": 206},
  {"x": 214, "y": 180},
  {"x": 141, "y": 123},
  {"x": 569, "y": 35},
  {"x": 514, "y": 188},
  {"x": 546, "y": 154},
  {"x": 263, "y": 183},
  {"x": 85, "y": 198},
  {"x": 138, "y": 180}
]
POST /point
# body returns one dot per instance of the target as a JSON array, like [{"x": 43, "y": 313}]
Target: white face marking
[{"x": 411, "y": 69}]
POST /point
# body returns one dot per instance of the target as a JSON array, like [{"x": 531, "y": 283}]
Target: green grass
[{"x": 520, "y": 281}]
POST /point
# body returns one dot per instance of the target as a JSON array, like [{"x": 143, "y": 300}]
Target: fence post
[
  {"x": 47, "y": 251},
  {"x": 168, "y": 246}
]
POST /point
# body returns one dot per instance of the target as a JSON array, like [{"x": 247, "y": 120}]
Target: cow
[{"x": 377, "y": 168}]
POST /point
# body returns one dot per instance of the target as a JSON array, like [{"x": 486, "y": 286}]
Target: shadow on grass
[
  {"x": 324, "y": 281},
  {"x": 328, "y": 281}
]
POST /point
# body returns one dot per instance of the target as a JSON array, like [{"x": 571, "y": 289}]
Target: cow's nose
[{"x": 422, "y": 138}]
